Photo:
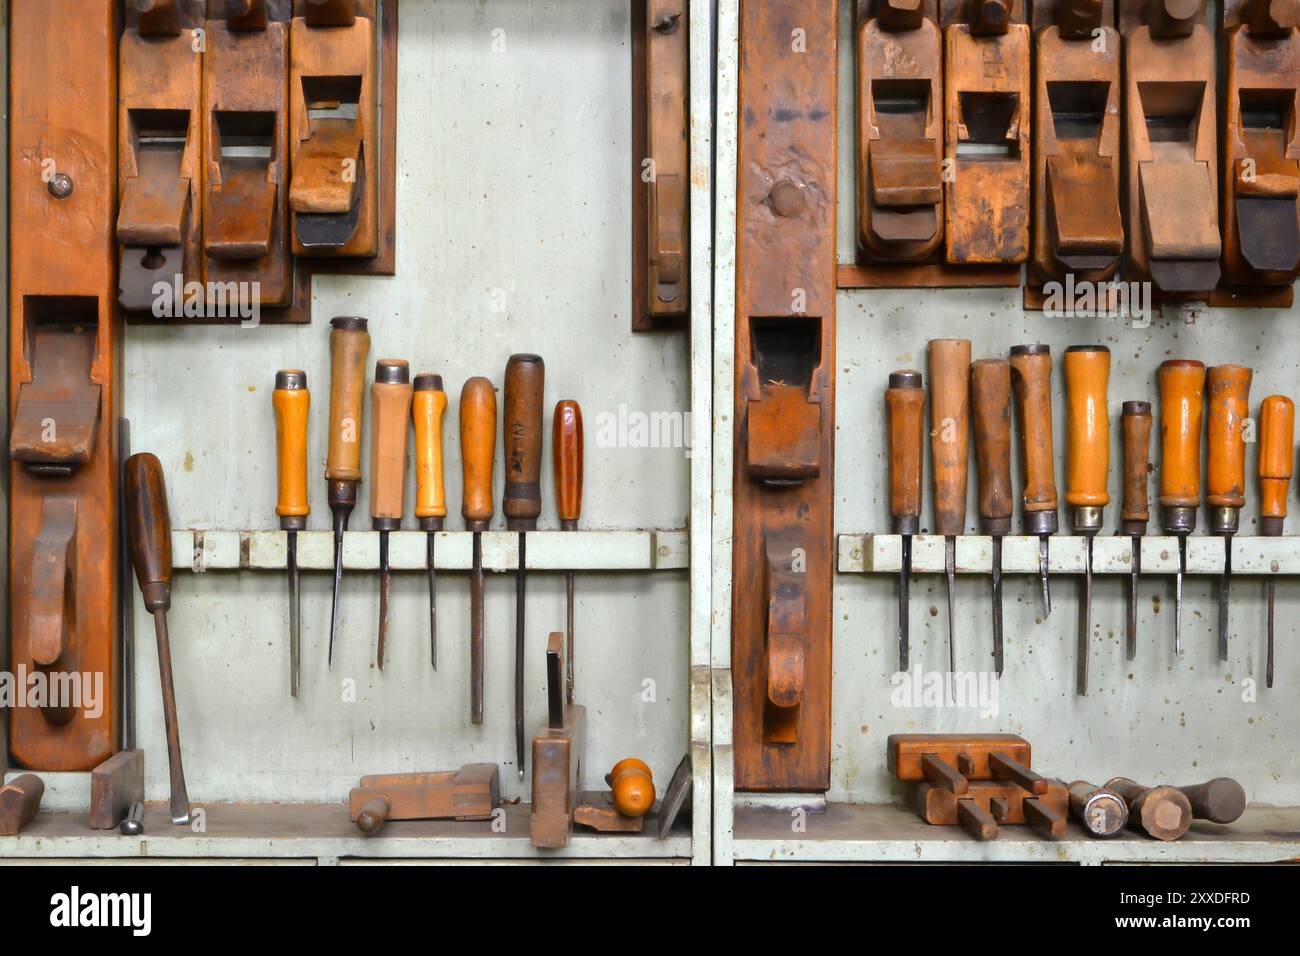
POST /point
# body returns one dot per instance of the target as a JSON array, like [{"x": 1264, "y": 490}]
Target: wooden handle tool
[
  {"x": 950, "y": 451},
  {"x": 292, "y": 404},
  {"x": 1162, "y": 813},
  {"x": 1225, "y": 482},
  {"x": 390, "y": 402},
  {"x": 428, "y": 406},
  {"x": 1182, "y": 406},
  {"x": 1031, "y": 380},
  {"x": 990, "y": 396},
  {"x": 149, "y": 528},
  {"x": 522, "y": 501},
  {"x": 1102, "y": 812},
  {"x": 567, "y": 459},
  {"x": 905, "y": 404},
  {"x": 1221, "y": 800},
  {"x": 1135, "y": 512},
  {"x": 1276, "y": 461},
  {"x": 1087, "y": 376},
  {"x": 349, "y": 347},
  {"x": 478, "y": 433}
]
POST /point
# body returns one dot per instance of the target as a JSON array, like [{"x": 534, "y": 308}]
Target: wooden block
[
  {"x": 596, "y": 810},
  {"x": 19, "y": 801},
  {"x": 557, "y": 778},
  {"x": 471, "y": 793},
  {"x": 115, "y": 785},
  {"x": 969, "y": 751},
  {"x": 1004, "y": 801}
]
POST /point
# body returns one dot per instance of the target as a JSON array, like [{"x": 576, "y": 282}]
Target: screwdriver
[
  {"x": 1031, "y": 380},
  {"x": 390, "y": 406},
  {"x": 478, "y": 434},
  {"x": 1182, "y": 405},
  {"x": 291, "y": 402},
  {"x": 950, "y": 450},
  {"x": 1225, "y": 469},
  {"x": 149, "y": 530},
  {"x": 1087, "y": 375},
  {"x": 1135, "y": 420},
  {"x": 521, "y": 430},
  {"x": 429, "y": 404},
  {"x": 1276, "y": 449},
  {"x": 349, "y": 346},
  {"x": 990, "y": 396},
  {"x": 567, "y": 455},
  {"x": 905, "y": 403}
]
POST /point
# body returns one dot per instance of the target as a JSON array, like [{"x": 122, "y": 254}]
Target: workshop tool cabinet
[{"x": 514, "y": 172}]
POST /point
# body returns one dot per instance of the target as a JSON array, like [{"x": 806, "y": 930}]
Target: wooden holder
[
  {"x": 785, "y": 422},
  {"x": 471, "y": 793},
  {"x": 115, "y": 786},
  {"x": 65, "y": 342},
  {"x": 557, "y": 757},
  {"x": 19, "y": 801}
]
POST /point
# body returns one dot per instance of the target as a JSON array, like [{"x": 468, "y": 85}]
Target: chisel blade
[
  {"x": 904, "y": 589},
  {"x": 521, "y": 586},
  {"x": 568, "y": 660},
  {"x": 295, "y": 606},
  {"x": 1042, "y": 575},
  {"x": 950, "y": 565},
  {"x": 1272, "y": 595},
  {"x": 338, "y": 581},
  {"x": 476, "y": 634},
  {"x": 385, "y": 586},
  {"x": 1178, "y": 595},
  {"x": 1225, "y": 583},
  {"x": 433, "y": 599},
  {"x": 1085, "y": 623},
  {"x": 997, "y": 605},
  {"x": 1135, "y": 571}
]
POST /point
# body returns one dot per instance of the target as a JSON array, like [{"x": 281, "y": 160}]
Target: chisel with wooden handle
[
  {"x": 990, "y": 397},
  {"x": 950, "y": 451},
  {"x": 521, "y": 429},
  {"x": 292, "y": 403},
  {"x": 478, "y": 436},
  {"x": 349, "y": 347},
  {"x": 1276, "y": 461},
  {"x": 428, "y": 405},
  {"x": 1135, "y": 512},
  {"x": 567, "y": 459},
  {"x": 150, "y": 529},
  {"x": 1031, "y": 380},
  {"x": 390, "y": 403},
  {"x": 1182, "y": 406},
  {"x": 1228, "y": 401},
  {"x": 905, "y": 403}
]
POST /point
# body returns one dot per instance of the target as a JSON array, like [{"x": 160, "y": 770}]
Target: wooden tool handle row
[
  {"x": 1276, "y": 454},
  {"x": 1087, "y": 377},
  {"x": 950, "y": 431}
]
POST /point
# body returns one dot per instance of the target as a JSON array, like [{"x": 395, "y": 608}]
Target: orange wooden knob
[
  {"x": 950, "y": 432},
  {"x": 1229, "y": 407},
  {"x": 1031, "y": 380},
  {"x": 990, "y": 398},
  {"x": 905, "y": 404},
  {"x": 1276, "y": 456},
  {"x": 1087, "y": 376},
  {"x": 1136, "y": 423},
  {"x": 478, "y": 437},
  {"x": 633, "y": 786},
  {"x": 291, "y": 402},
  {"x": 567, "y": 458},
  {"x": 1182, "y": 406}
]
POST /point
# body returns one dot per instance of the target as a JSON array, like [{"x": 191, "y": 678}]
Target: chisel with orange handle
[
  {"x": 567, "y": 460},
  {"x": 521, "y": 429},
  {"x": 990, "y": 398},
  {"x": 292, "y": 401},
  {"x": 1225, "y": 469},
  {"x": 428, "y": 405},
  {"x": 950, "y": 451},
  {"x": 349, "y": 346},
  {"x": 478, "y": 442},
  {"x": 1031, "y": 380},
  {"x": 390, "y": 410},
  {"x": 1087, "y": 376},
  {"x": 1276, "y": 457},
  {"x": 905, "y": 403},
  {"x": 1135, "y": 512},
  {"x": 1182, "y": 406}
]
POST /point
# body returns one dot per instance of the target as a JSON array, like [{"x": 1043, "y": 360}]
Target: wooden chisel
[
  {"x": 390, "y": 402},
  {"x": 478, "y": 434},
  {"x": 567, "y": 456},
  {"x": 429, "y": 404}
]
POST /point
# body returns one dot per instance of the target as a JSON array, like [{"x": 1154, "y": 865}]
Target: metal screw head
[
  {"x": 787, "y": 199},
  {"x": 667, "y": 24},
  {"x": 60, "y": 185}
]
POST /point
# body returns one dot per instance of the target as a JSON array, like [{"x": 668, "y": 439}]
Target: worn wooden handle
[
  {"x": 990, "y": 397},
  {"x": 1182, "y": 406},
  {"x": 1276, "y": 454},
  {"x": 1229, "y": 407},
  {"x": 905, "y": 404},
  {"x": 292, "y": 403},
  {"x": 950, "y": 432},
  {"x": 1087, "y": 377},
  {"x": 522, "y": 439},
  {"x": 373, "y": 813},
  {"x": 633, "y": 787},
  {"x": 478, "y": 442},
  {"x": 567, "y": 457},
  {"x": 1136, "y": 424},
  {"x": 349, "y": 347},
  {"x": 1031, "y": 380},
  {"x": 390, "y": 408},
  {"x": 149, "y": 529},
  {"x": 428, "y": 406}
]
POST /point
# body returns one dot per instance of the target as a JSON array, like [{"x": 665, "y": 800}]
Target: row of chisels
[
  {"x": 1198, "y": 407},
  {"x": 400, "y": 403}
]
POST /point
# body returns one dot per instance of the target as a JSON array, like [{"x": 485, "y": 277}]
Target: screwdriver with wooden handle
[
  {"x": 1225, "y": 469},
  {"x": 390, "y": 409},
  {"x": 292, "y": 403},
  {"x": 1182, "y": 406},
  {"x": 990, "y": 397},
  {"x": 1087, "y": 376},
  {"x": 149, "y": 530},
  {"x": 1276, "y": 457},
  {"x": 905, "y": 403},
  {"x": 1135, "y": 420},
  {"x": 521, "y": 430},
  {"x": 567, "y": 460},
  {"x": 478, "y": 438},
  {"x": 950, "y": 451},
  {"x": 1031, "y": 380},
  {"x": 428, "y": 405},
  {"x": 349, "y": 347}
]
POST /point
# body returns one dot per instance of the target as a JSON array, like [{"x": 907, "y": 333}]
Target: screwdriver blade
[
  {"x": 950, "y": 565},
  {"x": 1042, "y": 575},
  {"x": 1135, "y": 569},
  {"x": 1225, "y": 582},
  {"x": 1272, "y": 594},
  {"x": 385, "y": 584},
  {"x": 1178, "y": 595},
  {"x": 904, "y": 622},
  {"x": 1085, "y": 622},
  {"x": 476, "y": 634},
  {"x": 295, "y": 633},
  {"x": 521, "y": 585},
  {"x": 997, "y": 604},
  {"x": 433, "y": 601}
]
